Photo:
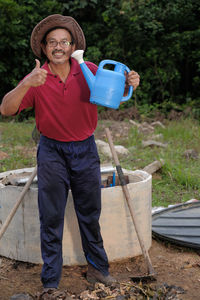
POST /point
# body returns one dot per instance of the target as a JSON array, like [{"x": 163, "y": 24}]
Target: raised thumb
[{"x": 37, "y": 64}]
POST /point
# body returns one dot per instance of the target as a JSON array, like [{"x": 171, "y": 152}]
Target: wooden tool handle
[
  {"x": 128, "y": 200},
  {"x": 21, "y": 197}
]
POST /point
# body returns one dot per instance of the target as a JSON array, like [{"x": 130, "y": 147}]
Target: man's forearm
[{"x": 12, "y": 100}]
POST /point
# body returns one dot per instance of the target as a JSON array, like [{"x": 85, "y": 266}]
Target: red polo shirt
[{"x": 62, "y": 110}]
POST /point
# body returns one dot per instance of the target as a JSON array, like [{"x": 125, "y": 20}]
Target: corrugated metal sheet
[{"x": 179, "y": 224}]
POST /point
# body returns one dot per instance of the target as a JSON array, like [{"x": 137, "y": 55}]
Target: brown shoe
[{"x": 93, "y": 275}]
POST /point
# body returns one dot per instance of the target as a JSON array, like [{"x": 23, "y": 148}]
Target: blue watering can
[{"x": 107, "y": 86}]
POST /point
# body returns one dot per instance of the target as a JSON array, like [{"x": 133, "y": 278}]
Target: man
[{"x": 67, "y": 156}]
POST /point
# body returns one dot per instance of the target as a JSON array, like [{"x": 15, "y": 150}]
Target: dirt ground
[{"x": 175, "y": 266}]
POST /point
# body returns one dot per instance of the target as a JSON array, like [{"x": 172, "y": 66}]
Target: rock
[
  {"x": 121, "y": 150},
  {"x": 134, "y": 123},
  {"x": 157, "y": 123},
  {"x": 191, "y": 153},
  {"x": 104, "y": 148},
  {"x": 150, "y": 143},
  {"x": 157, "y": 136},
  {"x": 145, "y": 128},
  {"x": 193, "y": 200},
  {"x": 21, "y": 297},
  {"x": 154, "y": 166}
]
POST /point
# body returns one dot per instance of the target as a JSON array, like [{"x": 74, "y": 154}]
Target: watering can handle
[{"x": 113, "y": 62}]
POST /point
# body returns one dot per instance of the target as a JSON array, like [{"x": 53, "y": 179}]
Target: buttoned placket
[
  {"x": 62, "y": 83},
  {"x": 63, "y": 86},
  {"x": 66, "y": 84}
]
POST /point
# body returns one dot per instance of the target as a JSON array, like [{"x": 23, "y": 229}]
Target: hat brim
[{"x": 56, "y": 21}]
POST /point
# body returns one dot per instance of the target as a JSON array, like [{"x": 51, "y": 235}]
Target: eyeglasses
[{"x": 63, "y": 43}]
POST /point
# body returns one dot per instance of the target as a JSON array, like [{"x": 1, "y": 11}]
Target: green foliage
[
  {"x": 159, "y": 39},
  {"x": 165, "y": 32},
  {"x": 76, "y": 5},
  {"x": 17, "y": 20}
]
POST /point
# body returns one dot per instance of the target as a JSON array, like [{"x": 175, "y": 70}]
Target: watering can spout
[
  {"x": 78, "y": 55},
  {"x": 89, "y": 76}
]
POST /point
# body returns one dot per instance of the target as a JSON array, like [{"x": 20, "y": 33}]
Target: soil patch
[{"x": 176, "y": 267}]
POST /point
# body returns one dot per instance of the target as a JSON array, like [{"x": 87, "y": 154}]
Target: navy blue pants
[{"x": 64, "y": 165}]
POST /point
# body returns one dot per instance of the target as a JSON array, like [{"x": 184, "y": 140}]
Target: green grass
[
  {"x": 177, "y": 181},
  {"x": 16, "y": 142}
]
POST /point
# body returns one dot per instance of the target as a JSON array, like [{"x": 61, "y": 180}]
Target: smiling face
[{"x": 60, "y": 53}]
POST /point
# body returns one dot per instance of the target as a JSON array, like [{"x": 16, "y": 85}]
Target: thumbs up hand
[
  {"x": 37, "y": 64},
  {"x": 37, "y": 77}
]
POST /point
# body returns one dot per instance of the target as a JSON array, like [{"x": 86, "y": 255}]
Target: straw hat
[{"x": 56, "y": 21}]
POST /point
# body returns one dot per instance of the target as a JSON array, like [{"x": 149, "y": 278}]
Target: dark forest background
[{"x": 159, "y": 39}]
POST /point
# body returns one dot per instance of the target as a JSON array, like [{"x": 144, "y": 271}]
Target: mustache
[{"x": 58, "y": 51}]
